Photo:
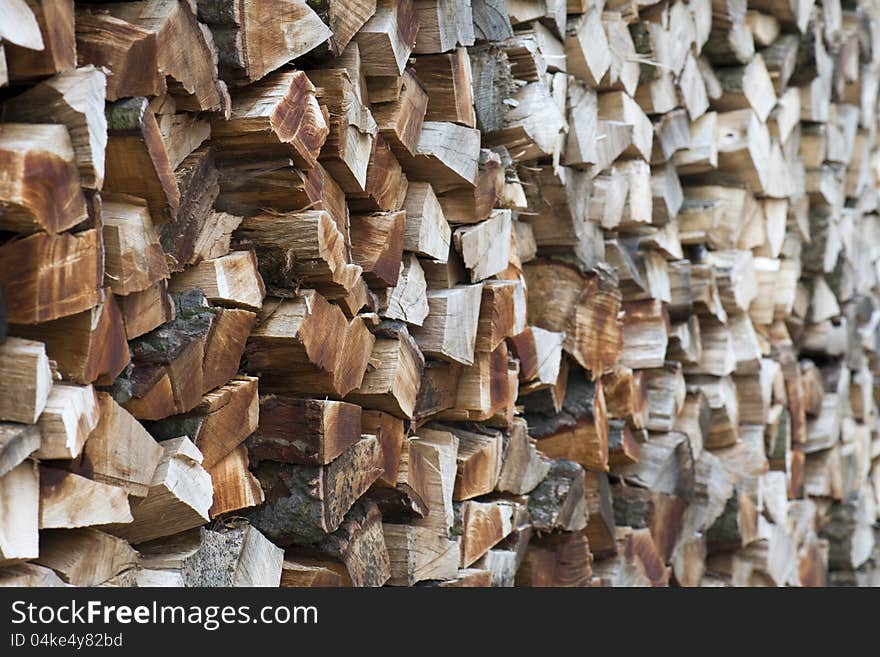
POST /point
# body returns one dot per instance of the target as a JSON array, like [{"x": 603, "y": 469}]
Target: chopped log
[
  {"x": 230, "y": 280},
  {"x": 26, "y": 369},
  {"x": 580, "y": 431},
  {"x": 447, "y": 155},
  {"x": 585, "y": 308},
  {"x": 358, "y": 546},
  {"x": 426, "y": 231},
  {"x": 70, "y": 416},
  {"x": 600, "y": 514},
  {"x": 346, "y": 153},
  {"x": 450, "y": 329},
  {"x": 540, "y": 357},
  {"x": 389, "y": 430},
  {"x": 482, "y": 246},
  {"x": 306, "y": 345},
  {"x": 301, "y": 248},
  {"x": 447, "y": 80},
  {"x": 40, "y": 190},
  {"x": 276, "y": 118},
  {"x": 128, "y": 51},
  {"x": 133, "y": 257},
  {"x": 223, "y": 419},
  {"x": 645, "y": 334},
  {"x": 146, "y": 310},
  {"x": 295, "y": 430},
  {"x": 179, "y": 495},
  {"x": 29, "y": 574},
  {"x": 87, "y": 347},
  {"x": 377, "y": 246},
  {"x": 407, "y": 300},
  {"x": 20, "y": 495},
  {"x": 439, "y": 388},
  {"x": 75, "y": 99},
  {"x": 17, "y": 442},
  {"x": 558, "y": 560},
  {"x": 68, "y": 500},
  {"x": 304, "y": 503},
  {"x": 137, "y": 162},
  {"x": 231, "y": 554},
  {"x": 558, "y": 501},
  {"x": 20, "y": 26},
  {"x": 483, "y": 525},
  {"x": 119, "y": 451},
  {"x": 400, "y": 120},
  {"x": 235, "y": 488},
  {"x": 255, "y": 38},
  {"x": 182, "y": 133},
  {"x": 85, "y": 557},
  {"x": 58, "y": 52},
  {"x": 186, "y": 239},
  {"x": 586, "y": 47},
  {"x": 394, "y": 384},
  {"x": 522, "y": 466},
  {"x": 388, "y": 38},
  {"x": 417, "y": 554},
  {"x": 185, "y": 52}
]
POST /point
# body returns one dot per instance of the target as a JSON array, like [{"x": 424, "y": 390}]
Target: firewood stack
[{"x": 439, "y": 292}]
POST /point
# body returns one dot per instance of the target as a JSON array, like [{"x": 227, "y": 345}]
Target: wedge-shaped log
[
  {"x": 230, "y": 554},
  {"x": 235, "y": 488},
  {"x": 185, "y": 53},
  {"x": 585, "y": 308},
  {"x": 304, "y": 503},
  {"x": 120, "y": 451},
  {"x": 388, "y": 38},
  {"x": 558, "y": 502},
  {"x": 26, "y": 369},
  {"x": 407, "y": 300},
  {"x": 45, "y": 277},
  {"x": 346, "y": 153},
  {"x": 20, "y": 494},
  {"x": 450, "y": 329},
  {"x": 356, "y": 550},
  {"x": 255, "y": 38},
  {"x": 447, "y": 156},
  {"x": 293, "y": 430},
  {"x": 87, "y": 347},
  {"x": 40, "y": 190},
  {"x": 484, "y": 525},
  {"x": 400, "y": 120},
  {"x": 485, "y": 247},
  {"x": 394, "y": 384},
  {"x": 224, "y": 418},
  {"x": 137, "y": 161},
  {"x": 68, "y": 501},
  {"x": 179, "y": 496},
  {"x": 230, "y": 280},
  {"x": 580, "y": 431},
  {"x": 76, "y": 100},
  {"x": 278, "y": 117},
  {"x": 133, "y": 256},
  {"x": 70, "y": 416},
  {"x": 306, "y": 345},
  {"x": 419, "y": 553},
  {"x": 86, "y": 557},
  {"x": 17, "y": 442},
  {"x": 58, "y": 52},
  {"x": 145, "y": 310},
  {"x": 301, "y": 248},
  {"x": 377, "y": 246}
]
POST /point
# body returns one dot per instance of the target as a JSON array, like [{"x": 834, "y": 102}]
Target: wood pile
[{"x": 439, "y": 292}]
